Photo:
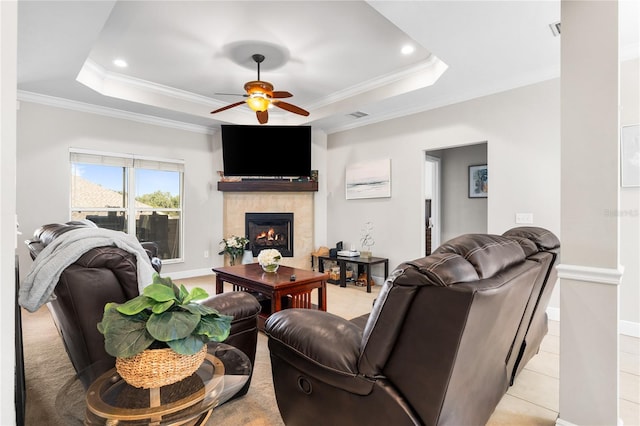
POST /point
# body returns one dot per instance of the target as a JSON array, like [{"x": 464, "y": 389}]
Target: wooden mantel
[{"x": 268, "y": 186}]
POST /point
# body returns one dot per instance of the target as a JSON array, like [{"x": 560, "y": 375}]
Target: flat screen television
[{"x": 266, "y": 151}]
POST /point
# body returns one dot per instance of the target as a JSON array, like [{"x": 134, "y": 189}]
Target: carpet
[{"x": 47, "y": 366}]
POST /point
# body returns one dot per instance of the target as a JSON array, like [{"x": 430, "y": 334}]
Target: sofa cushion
[{"x": 489, "y": 254}]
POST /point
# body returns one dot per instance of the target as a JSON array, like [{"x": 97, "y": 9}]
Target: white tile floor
[{"x": 533, "y": 400}]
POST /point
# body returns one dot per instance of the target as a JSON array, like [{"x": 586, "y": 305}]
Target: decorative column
[{"x": 589, "y": 272}]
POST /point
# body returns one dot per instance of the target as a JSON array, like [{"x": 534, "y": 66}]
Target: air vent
[
  {"x": 555, "y": 28},
  {"x": 358, "y": 114}
]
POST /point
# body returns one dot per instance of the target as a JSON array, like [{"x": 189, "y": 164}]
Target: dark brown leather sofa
[
  {"x": 109, "y": 274},
  {"x": 447, "y": 335}
]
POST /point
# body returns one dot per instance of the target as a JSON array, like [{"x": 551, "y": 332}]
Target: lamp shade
[{"x": 258, "y": 102}]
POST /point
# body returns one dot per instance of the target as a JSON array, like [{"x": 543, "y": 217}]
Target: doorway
[{"x": 450, "y": 209}]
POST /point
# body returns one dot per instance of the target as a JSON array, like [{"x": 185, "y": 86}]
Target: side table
[
  {"x": 98, "y": 397},
  {"x": 365, "y": 261},
  {"x": 286, "y": 288}
]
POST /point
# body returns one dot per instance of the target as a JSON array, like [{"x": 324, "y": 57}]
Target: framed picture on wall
[
  {"x": 371, "y": 179},
  {"x": 478, "y": 181}
]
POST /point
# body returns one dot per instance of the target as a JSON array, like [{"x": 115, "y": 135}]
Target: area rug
[{"x": 47, "y": 367}]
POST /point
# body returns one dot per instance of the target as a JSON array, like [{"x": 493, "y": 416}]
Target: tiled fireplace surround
[{"x": 236, "y": 204}]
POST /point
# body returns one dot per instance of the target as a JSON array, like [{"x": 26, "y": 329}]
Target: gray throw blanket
[{"x": 37, "y": 288}]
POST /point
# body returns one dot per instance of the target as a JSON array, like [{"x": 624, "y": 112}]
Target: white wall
[
  {"x": 45, "y": 135},
  {"x": 8, "y": 65},
  {"x": 522, "y": 130},
  {"x": 629, "y": 211}
]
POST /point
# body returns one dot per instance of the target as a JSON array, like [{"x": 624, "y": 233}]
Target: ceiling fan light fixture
[
  {"x": 260, "y": 97},
  {"x": 258, "y": 101}
]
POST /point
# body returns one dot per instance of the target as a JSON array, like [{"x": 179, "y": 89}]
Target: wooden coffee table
[{"x": 286, "y": 288}]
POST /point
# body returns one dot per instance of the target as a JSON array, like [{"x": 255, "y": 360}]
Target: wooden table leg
[
  {"x": 219, "y": 285},
  {"x": 368, "y": 277},
  {"x": 276, "y": 302},
  {"x": 322, "y": 296}
]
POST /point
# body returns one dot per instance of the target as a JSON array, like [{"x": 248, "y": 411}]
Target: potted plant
[
  {"x": 234, "y": 246},
  {"x": 164, "y": 325}
]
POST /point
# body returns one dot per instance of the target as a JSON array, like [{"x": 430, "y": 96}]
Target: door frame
[{"x": 435, "y": 202}]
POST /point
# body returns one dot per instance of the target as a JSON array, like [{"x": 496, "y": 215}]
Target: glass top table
[{"x": 99, "y": 396}]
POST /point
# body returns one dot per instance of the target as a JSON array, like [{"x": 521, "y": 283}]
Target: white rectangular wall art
[{"x": 371, "y": 179}]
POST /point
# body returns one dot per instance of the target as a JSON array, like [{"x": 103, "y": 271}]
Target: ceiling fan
[{"x": 260, "y": 96}]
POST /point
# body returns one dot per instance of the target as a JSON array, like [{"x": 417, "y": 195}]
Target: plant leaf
[
  {"x": 197, "y": 308},
  {"x": 159, "y": 308},
  {"x": 216, "y": 327},
  {"x": 135, "y": 305},
  {"x": 184, "y": 294},
  {"x": 196, "y": 294},
  {"x": 159, "y": 292},
  {"x": 172, "y": 325},
  {"x": 157, "y": 279},
  {"x": 124, "y": 336},
  {"x": 189, "y": 345}
]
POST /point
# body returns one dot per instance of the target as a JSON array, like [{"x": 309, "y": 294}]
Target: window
[{"x": 138, "y": 195}]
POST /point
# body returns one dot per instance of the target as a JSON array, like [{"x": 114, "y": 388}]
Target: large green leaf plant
[{"x": 164, "y": 315}]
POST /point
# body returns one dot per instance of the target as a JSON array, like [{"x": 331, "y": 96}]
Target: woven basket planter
[{"x": 153, "y": 368}]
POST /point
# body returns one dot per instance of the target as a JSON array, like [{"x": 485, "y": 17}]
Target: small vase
[
  {"x": 270, "y": 268},
  {"x": 233, "y": 259}
]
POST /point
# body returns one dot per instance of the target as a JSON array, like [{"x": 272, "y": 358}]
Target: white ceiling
[{"x": 335, "y": 57}]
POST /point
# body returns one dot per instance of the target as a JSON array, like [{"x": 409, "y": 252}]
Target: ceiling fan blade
[
  {"x": 232, "y": 94},
  {"x": 227, "y": 107},
  {"x": 291, "y": 108},
  {"x": 263, "y": 116},
  {"x": 281, "y": 94}
]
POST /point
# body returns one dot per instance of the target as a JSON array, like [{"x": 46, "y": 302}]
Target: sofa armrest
[
  {"x": 320, "y": 345},
  {"x": 238, "y": 304},
  {"x": 319, "y": 336}
]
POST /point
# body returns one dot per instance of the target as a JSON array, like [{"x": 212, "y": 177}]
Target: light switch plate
[{"x": 524, "y": 218}]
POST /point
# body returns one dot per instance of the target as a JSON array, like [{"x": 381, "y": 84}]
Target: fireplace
[{"x": 270, "y": 231}]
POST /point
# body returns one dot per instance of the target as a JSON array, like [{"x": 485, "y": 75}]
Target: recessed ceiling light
[
  {"x": 120, "y": 63},
  {"x": 408, "y": 49}
]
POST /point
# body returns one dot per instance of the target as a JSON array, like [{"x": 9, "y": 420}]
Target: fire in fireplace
[{"x": 270, "y": 230}]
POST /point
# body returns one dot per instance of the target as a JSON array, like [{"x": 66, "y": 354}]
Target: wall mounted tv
[{"x": 266, "y": 151}]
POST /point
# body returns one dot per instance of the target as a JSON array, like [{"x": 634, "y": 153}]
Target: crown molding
[{"x": 111, "y": 112}]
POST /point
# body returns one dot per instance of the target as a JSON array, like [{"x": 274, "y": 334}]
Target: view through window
[{"x": 138, "y": 195}]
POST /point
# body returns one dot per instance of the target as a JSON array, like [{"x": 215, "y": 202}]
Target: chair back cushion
[{"x": 443, "y": 326}]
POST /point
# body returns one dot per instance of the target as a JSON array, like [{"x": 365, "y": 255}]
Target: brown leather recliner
[
  {"x": 109, "y": 274},
  {"x": 446, "y": 336}
]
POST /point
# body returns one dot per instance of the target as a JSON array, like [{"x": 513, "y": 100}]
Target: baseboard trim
[
  {"x": 188, "y": 274},
  {"x": 560, "y": 422},
  {"x": 629, "y": 328},
  {"x": 553, "y": 314}
]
